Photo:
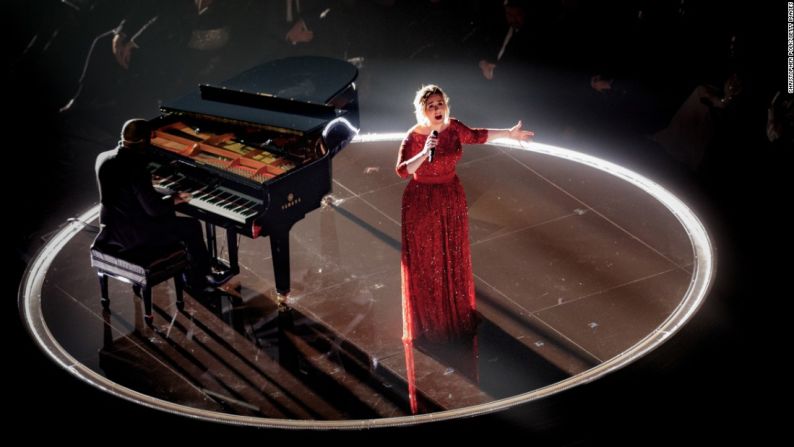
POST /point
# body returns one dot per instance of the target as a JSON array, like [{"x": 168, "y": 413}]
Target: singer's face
[{"x": 436, "y": 110}]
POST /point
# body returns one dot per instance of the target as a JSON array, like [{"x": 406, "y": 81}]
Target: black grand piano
[{"x": 255, "y": 151}]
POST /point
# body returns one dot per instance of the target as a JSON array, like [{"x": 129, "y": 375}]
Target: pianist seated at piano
[{"x": 133, "y": 215}]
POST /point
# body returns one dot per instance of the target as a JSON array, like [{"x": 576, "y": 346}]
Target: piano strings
[{"x": 223, "y": 151}]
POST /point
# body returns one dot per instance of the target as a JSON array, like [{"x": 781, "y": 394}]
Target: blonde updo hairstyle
[{"x": 420, "y": 101}]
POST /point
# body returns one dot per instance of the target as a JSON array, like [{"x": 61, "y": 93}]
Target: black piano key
[
  {"x": 240, "y": 206},
  {"x": 232, "y": 203},
  {"x": 227, "y": 197},
  {"x": 218, "y": 201},
  {"x": 215, "y": 197}
]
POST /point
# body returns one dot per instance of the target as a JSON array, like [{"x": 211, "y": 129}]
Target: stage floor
[{"x": 580, "y": 268}]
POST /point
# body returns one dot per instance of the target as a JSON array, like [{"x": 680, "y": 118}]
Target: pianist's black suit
[{"x": 133, "y": 214}]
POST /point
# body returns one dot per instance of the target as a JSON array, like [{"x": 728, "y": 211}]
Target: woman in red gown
[{"x": 437, "y": 283}]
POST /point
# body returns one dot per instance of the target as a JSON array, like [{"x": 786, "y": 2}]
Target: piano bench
[{"x": 144, "y": 268}]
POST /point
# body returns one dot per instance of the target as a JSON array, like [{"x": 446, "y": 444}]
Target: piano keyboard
[{"x": 214, "y": 199}]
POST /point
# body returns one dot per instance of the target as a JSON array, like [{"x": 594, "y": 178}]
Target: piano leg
[
  {"x": 222, "y": 271},
  {"x": 212, "y": 247},
  {"x": 279, "y": 248},
  {"x": 231, "y": 242}
]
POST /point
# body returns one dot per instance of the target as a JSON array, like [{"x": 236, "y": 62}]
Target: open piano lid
[{"x": 289, "y": 94}]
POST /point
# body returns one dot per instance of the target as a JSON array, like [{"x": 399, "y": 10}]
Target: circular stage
[{"x": 581, "y": 267}]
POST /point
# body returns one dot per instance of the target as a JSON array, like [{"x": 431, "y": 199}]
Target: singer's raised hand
[
  {"x": 430, "y": 145},
  {"x": 516, "y": 133}
]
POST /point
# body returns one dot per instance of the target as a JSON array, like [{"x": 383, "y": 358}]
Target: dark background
[{"x": 715, "y": 380}]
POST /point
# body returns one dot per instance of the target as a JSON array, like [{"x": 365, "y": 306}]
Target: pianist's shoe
[
  {"x": 198, "y": 287},
  {"x": 219, "y": 275},
  {"x": 217, "y": 279}
]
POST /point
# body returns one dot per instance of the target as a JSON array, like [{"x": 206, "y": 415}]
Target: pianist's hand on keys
[{"x": 182, "y": 197}]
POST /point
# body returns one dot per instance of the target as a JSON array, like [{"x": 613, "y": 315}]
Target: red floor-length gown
[{"x": 437, "y": 283}]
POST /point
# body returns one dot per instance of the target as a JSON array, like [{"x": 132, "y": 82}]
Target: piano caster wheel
[
  {"x": 281, "y": 300},
  {"x": 149, "y": 320}
]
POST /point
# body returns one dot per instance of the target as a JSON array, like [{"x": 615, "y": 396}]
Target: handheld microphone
[{"x": 432, "y": 149}]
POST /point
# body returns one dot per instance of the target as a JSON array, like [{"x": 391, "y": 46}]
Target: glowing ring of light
[{"x": 702, "y": 276}]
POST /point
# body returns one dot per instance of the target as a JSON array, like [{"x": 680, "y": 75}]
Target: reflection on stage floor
[{"x": 574, "y": 267}]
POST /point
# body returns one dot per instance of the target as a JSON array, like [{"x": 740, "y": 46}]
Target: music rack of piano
[{"x": 255, "y": 163}]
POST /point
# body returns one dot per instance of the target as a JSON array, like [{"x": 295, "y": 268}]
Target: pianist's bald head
[{"x": 135, "y": 133}]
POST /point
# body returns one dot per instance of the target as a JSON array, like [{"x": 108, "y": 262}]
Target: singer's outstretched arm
[{"x": 514, "y": 133}]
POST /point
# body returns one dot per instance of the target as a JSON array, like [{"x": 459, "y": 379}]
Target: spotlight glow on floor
[{"x": 702, "y": 277}]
